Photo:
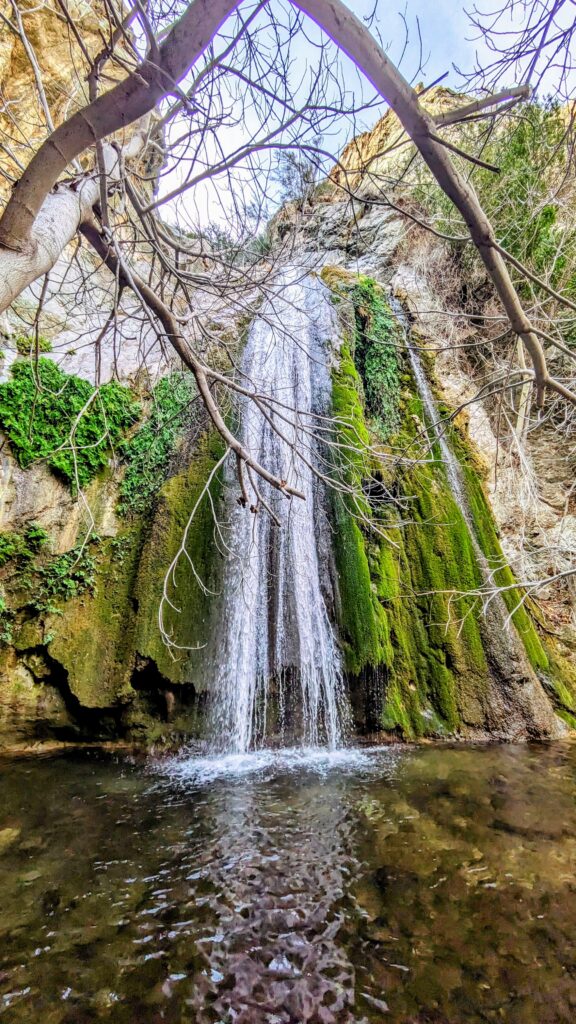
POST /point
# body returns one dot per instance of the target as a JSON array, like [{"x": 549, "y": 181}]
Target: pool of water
[{"x": 427, "y": 885}]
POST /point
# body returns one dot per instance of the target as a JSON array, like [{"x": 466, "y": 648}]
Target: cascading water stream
[
  {"x": 449, "y": 459},
  {"x": 278, "y": 665}
]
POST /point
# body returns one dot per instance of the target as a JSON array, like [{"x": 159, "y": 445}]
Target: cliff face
[
  {"x": 44, "y": 61},
  {"x": 529, "y": 484},
  {"x": 81, "y": 579},
  {"x": 369, "y": 160}
]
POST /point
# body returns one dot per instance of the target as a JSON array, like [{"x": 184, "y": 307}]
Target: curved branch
[
  {"x": 170, "y": 326},
  {"x": 353, "y": 37},
  {"x": 131, "y": 99}
]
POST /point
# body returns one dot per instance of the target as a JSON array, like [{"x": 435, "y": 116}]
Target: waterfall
[{"x": 278, "y": 668}]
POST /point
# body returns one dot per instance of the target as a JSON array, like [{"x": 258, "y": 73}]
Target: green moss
[
  {"x": 63, "y": 577},
  {"x": 435, "y": 635},
  {"x": 96, "y": 608},
  {"x": 396, "y": 715},
  {"x": 486, "y": 534},
  {"x": 51, "y": 416},
  {"x": 363, "y": 621},
  {"x": 22, "y": 547},
  {"x": 400, "y": 582},
  {"x": 189, "y": 627},
  {"x": 113, "y": 623},
  {"x": 37, "y": 581},
  {"x": 374, "y": 345},
  {"x": 406, "y": 585},
  {"x": 147, "y": 454},
  {"x": 93, "y": 634},
  {"x": 376, "y": 354},
  {"x": 6, "y": 622}
]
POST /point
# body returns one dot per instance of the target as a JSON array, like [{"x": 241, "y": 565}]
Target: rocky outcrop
[
  {"x": 82, "y": 656},
  {"x": 530, "y": 488}
]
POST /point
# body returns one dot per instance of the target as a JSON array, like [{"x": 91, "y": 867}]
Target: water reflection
[{"x": 414, "y": 886}]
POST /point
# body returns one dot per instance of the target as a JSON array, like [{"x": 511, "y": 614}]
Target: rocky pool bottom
[{"x": 411, "y": 885}]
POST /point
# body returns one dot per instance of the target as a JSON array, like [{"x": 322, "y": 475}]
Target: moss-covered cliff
[
  {"x": 81, "y": 653},
  {"x": 83, "y": 656},
  {"x": 409, "y": 567}
]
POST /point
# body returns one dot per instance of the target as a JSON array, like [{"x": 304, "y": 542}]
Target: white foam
[{"x": 268, "y": 763}]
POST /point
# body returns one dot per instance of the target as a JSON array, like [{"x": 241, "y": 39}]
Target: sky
[
  {"x": 446, "y": 33},
  {"x": 447, "y": 39}
]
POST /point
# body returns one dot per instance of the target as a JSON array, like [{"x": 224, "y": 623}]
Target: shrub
[
  {"x": 52, "y": 416},
  {"x": 22, "y": 546},
  {"x": 26, "y": 344}
]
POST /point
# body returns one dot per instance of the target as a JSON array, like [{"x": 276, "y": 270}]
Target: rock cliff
[{"x": 82, "y": 572}]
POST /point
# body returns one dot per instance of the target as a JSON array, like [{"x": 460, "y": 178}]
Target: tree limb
[
  {"x": 353, "y": 37},
  {"x": 130, "y": 100},
  {"x": 93, "y": 235}
]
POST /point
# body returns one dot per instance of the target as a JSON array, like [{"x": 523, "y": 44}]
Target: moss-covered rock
[
  {"x": 187, "y": 614},
  {"x": 408, "y": 568},
  {"x": 92, "y": 634},
  {"x": 83, "y": 626}
]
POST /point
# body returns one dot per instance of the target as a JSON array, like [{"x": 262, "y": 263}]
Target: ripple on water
[
  {"x": 346, "y": 887},
  {"x": 271, "y": 763}
]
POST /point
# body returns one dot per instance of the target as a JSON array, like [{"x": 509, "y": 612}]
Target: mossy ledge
[{"x": 411, "y": 634}]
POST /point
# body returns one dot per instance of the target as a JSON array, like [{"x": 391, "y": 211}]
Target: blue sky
[
  {"x": 446, "y": 36},
  {"x": 444, "y": 27}
]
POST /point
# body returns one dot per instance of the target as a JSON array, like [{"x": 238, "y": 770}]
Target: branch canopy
[{"x": 125, "y": 103}]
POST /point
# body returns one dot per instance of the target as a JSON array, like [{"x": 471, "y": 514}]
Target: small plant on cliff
[
  {"x": 26, "y": 345},
  {"x": 63, "y": 577},
  {"x": 148, "y": 453},
  {"x": 63, "y": 420},
  {"x": 22, "y": 546},
  {"x": 6, "y": 626}
]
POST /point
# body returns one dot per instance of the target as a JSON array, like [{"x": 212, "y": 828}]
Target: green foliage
[
  {"x": 147, "y": 454},
  {"x": 487, "y": 537},
  {"x": 260, "y": 245},
  {"x": 523, "y": 200},
  {"x": 295, "y": 175},
  {"x": 6, "y": 624},
  {"x": 26, "y": 345},
  {"x": 22, "y": 546},
  {"x": 406, "y": 605},
  {"x": 63, "y": 577},
  {"x": 61, "y": 419},
  {"x": 531, "y": 202},
  {"x": 374, "y": 349},
  {"x": 363, "y": 622},
  {"x": 45, "y": 580},
  {"x": 376, "y": 354},
  {"x": 192, "y": 626}
]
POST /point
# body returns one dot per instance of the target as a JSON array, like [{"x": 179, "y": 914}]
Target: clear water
[
  {"x": 278, "y": 667},
  {"x": 426, "y": 886}
]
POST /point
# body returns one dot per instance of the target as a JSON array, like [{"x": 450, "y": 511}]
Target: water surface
[{"x": 430, "y": 885}]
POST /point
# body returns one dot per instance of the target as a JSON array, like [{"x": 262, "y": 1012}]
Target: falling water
[
  {"x": 279, "y": 666},
  {"x": 503, "y": 647}
]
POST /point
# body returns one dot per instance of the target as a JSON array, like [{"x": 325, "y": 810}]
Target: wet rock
[{"x": 8, "y": 837}]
